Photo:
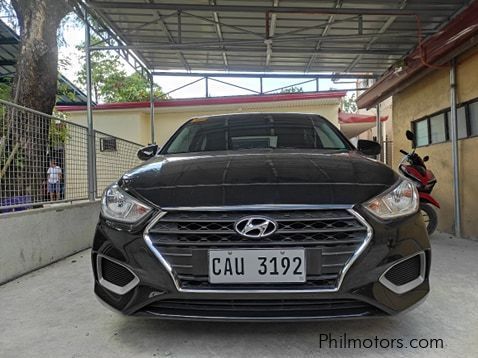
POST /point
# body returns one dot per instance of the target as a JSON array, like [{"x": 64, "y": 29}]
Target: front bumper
[{"x": 360, "y": 293}]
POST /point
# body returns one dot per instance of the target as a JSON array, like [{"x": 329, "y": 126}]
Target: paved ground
[{"x": 53, "y": 313}]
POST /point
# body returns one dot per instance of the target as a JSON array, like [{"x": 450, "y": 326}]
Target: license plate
[{"x": 257, "y": 266}]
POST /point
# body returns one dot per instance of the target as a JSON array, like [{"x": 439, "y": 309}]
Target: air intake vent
[
  {"x": 404, "y": 272},
  {"x": 405, "y": 275},
  {"x": 114, "y": 276},
  {"x": 262, "y": 309}
]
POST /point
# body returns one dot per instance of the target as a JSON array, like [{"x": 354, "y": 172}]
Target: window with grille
[
  {"x": 108, "y": 144},
  {"x": 436, "y": 128}
]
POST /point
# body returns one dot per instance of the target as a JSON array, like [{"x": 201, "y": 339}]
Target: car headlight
[
  {"x": 118, "y": 205},
  {"x": 400, "y": 201}
]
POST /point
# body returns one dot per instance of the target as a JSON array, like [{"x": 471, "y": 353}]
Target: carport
[
  {"x": 220, "y": 41},
  {"x": 307, "y": 40}
]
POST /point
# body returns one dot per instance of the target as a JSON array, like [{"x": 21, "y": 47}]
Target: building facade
[
  {"x": 132, "y": 120},
  {"x": 424, "y": 108}
]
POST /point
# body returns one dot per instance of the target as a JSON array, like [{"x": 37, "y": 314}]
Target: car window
[{"x": 248, "y": 132}]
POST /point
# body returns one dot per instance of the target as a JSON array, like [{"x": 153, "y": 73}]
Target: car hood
[{"x": 258, "y": 177}]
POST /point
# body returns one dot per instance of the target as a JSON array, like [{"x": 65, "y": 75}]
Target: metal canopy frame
[
  {"x": 212, "y": 39},
  {"x": 292, "y": 39},
  {"x": 343, "y": 36}
]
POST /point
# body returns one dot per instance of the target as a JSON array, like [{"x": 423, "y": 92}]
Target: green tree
[
  {"x": 5, "y": 90},
  {"x": 292, "y": 89},
  {"x": 349, "y": 104},
  {"x": 110, "y": 82},
  {"x": 131, "y": 88},
  {"x": 34, "y": 86},
  {"x": 38, "y": 22},
  {"x": 104, "y": 67}
]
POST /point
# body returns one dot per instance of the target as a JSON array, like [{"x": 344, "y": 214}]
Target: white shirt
[{"x": 54, "y": 174}]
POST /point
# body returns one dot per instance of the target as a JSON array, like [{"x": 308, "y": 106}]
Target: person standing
[{"x": 54, "y": 177}]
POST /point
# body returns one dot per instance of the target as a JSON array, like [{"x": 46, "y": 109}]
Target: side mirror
[
  {"x": 148, "y": 152},
  {"x": 426, "y": 158},
  {"x": 410, "y": 135},
  {"x": 368, "y": 147}
]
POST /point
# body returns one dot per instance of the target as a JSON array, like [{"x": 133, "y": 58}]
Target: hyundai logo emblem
[{"x": 255, "y": 227}]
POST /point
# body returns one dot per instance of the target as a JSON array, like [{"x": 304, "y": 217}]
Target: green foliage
[
  {"x": 131, "y": 88},
  {"x": 6, "y": 95},
  {"x": 104, "y": 67},
  {"x": 6, "y": 90},
  {"x": 349, "y": 104},
  {"x": 292, "y": 89},
  {"x": 63, "y": 90},
  {"x": 110, "y": 82},
  {"x": 58, "y": 133}
]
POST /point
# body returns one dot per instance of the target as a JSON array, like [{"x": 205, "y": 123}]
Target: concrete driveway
[{"x": 53, "y": 313}]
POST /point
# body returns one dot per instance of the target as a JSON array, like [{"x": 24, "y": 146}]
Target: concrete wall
[
  {"x": 32, "y": 239},
  {"x": 427, "y": 96}
]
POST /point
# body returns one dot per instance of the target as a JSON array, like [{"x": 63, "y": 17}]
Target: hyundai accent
[{"x": 261, "y": 216}]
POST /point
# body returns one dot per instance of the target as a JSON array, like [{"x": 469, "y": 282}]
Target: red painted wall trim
[
  {"x": 346, "y": 118},
  {"x": 211, "y": 101},
  {"x": 458, "y": 32}
]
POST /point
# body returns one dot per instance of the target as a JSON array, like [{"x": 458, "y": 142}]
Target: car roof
[{"x": 249, "y": 115}]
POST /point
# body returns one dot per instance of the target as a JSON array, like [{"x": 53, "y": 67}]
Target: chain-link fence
[
  {"x": 113, "y": 157},
  {"x": 43, "y": 159}
]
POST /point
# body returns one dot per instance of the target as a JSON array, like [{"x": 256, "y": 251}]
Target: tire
[{"x": 429, "y": 217}]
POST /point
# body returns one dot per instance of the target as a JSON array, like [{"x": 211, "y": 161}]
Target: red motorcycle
[{"x": 413, "y": 167}]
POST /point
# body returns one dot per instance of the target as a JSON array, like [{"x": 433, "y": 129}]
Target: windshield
[{"x": 239, "y": 132}]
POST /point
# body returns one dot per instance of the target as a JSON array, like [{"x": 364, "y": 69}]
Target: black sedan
[{"x": 261, "y": 216}]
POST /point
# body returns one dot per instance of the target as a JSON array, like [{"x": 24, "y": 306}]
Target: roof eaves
[
  {"x": 456, "y": 37},
  {"x": 213, "y": 101}
]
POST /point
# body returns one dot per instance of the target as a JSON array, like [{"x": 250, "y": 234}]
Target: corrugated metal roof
[
  {"x": 348, "y": 36},
  {"x": 277, "y": 99}
]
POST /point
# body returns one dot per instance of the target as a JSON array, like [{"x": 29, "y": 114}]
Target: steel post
[
  {"x": 151, "y": 109},
  {"x": 454, "y": 150},
  {"x": 91, "y": 145},
  {"x": 379, "y": 131}
]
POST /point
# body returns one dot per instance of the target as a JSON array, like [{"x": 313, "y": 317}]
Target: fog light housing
[
  {"x": 406, "y": 274},
  {"x": 115, "y": 276}
]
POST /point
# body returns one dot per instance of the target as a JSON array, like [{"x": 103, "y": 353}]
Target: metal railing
[{"x": 43, "y": 159}]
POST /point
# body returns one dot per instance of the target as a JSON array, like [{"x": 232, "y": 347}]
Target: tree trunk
[
  {"x": 35, "y": 83},
  {"x": 35, "y": 87}
]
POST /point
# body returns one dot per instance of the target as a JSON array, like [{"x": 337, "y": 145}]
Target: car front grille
[
  {"x": 183, "y": 239},
  {"x": 261, "y": 309}
]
